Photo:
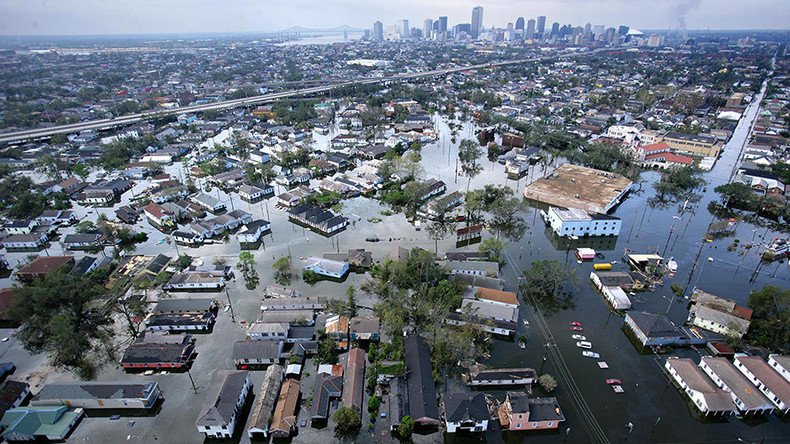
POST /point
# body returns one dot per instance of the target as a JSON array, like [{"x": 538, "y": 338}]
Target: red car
[
  {"x": 613, "y": 381},
  {"x": 578, "y": 324},
  {"x": 577, "y": 328}
]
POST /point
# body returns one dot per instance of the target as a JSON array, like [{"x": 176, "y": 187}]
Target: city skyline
[{"x": 94, "y": 17}]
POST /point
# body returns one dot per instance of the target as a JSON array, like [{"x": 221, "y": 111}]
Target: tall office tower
[
  {"x": 510, "y": 33},
  {"x": 555, "y": 29},
  {"x": 598, "y": 31},
  {"x": 541, "y": 26},
  {"x": 610, "y": 35},
  {"x": 623, "y": 30},
  {"x": 442, "y": 29},
  {"x": 520, "y": 23},
  {"x": 530, "y": 32},
  {"x": 477, "y": 21},
  {"x": 427, "y": 29},
  {"x": 378, "y": 32},
  {"x": 405, "y": 32}
]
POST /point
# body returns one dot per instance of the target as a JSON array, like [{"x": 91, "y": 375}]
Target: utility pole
[
  {"x": 192, "y": 381},
  {"x": 230, "y": 304}
]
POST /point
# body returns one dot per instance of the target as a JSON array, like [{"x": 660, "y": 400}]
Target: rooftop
[{"x": 573, "y": 186}]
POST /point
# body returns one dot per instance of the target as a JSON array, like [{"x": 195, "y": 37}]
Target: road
[{"x": 103, "y": 124}]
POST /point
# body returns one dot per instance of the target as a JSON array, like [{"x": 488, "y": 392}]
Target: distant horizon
[
  {"x": 274, "y": 33},
  {"x": 20, "y": 18}
]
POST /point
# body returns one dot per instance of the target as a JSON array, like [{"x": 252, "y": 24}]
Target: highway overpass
[{"x": 104, "y": 124}]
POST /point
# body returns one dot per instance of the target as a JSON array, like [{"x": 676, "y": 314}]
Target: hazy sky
[{"x": 42, "y": 17}]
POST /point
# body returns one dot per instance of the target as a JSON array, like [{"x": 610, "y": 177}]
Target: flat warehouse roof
[{"x": 573, "y": 186}]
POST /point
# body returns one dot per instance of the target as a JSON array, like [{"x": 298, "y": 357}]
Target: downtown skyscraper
[
  {"x": 477, "y": 21},
  {"x": 378, "y": 32},
  {"x": 541, "y": 26}
]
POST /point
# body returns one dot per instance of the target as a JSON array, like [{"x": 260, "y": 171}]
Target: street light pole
[{"x": 192, "y": 381}]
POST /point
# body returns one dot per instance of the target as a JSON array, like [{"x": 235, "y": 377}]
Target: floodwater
[{"x": 658, "y": 412}]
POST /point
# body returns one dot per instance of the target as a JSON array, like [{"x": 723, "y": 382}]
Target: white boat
[
  {"x": 672, "y": 265},
  {"x": 579, "y": 337},
  {"x": 617, "y": 389},
  {"x": 603, "y": 365},
  {"x": 584, "y": 344},
  {"x": 590, "y": 354}
]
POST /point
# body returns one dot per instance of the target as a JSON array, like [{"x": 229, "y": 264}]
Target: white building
[
  {"x": 615, "y": 295},
  {"x": 465, "y": 412},
  {"x": 771, "y": 384},
  {"x": 224, "y": 402},
  {"x": 575, "y": 222},
  {"x": 780, "y": 363},
  {"x": 708, "y": 398}
]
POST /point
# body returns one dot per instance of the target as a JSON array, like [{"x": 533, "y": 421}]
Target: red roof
[
  {"x": 660, "y": 146},
  {"x": 155, "y": 210},
  {"x": 44, "y": 265},
  {"x": 742, "y": 312},
  {"x": 670, "y": 158}
]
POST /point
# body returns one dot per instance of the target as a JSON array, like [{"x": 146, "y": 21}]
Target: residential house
[
  {"x": 226, "y": 397},
  {"x": 466, "y": 412},
  {"x": 420, "y": 388},
  {"x": 726, "y": 376},
  {"x": 99, "y": 395},
  {"x": 327, "y": 387},
  {"x": 42, "y": 266},
  {"x": 187, "y": 238},
  {"x": 613, "y": 294},
  {"x": 479, "y": 268},
  {"x": 432, "y": 187},
  {"x": 479, "y": 377},
  {"x": 155, "y": 350},
  {"x": 507, "y": 298},
  {"x": 520, "y": 412},
  {"x": 175, "y": 306},
  {"x": 20, "y": 226},
  {"x": 255, "y": 193},
  {"x": 82, "y": 241},
  {"x": 253, "y": 231},
  {"x": 291, "y": 300},
  {"x": 159, "y": 217},
  {"x": 490, "y": 310},
  {"x": 194, "y": 281},
  {"x": 323, "y": 221},
  {"x": 127, "y": 214},
  {"x": 264, "y": 331},
  {"x": 262, "y": 412},
  {"x": 33, "y": 241},
  {"x": 12, "y": 395},
  {"x": 766, "y": 379},
  {"x": 357, "y": 257},
  {"x": 210, "y": 203},
  {"x": 705, "y": 395},
  {"x": 180, "y": 322},
  {"x": 327, "y": 267},
  {"x": 719, "y": 315},
  {"x": 57, "y": 217},
  {"x": 354, "y": 380},
  {"x": 285, "y": 411},
  {"x": 256, "y": 354},
  {"x": 364, "y": 328},
  {"x": 780, "y": 363},
  {"x": 657, "y": 330},
  {"x": 39, "y": 423}
]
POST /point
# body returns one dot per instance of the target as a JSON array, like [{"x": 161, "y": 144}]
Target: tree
[
  {"x": 283, "y": 274},
  {"x": 405, "y": 428},
  {"x": 85, "y": 226},
  {"x": 55, "y": 319},
  {"x": 184, "y": 261},
  {"x": 347, "y": 421},
  {"x": 327, "y": 351},
  {"x": 82, "y": 170},
  {"x": 770, "y": 326},
  {"x": 468, "y": 153},
  {"x": 549, "y": 284},
  {"x": 547, "y": 382},
  {"x": 678, "y": 183},
  {"x": 505, "y": 221},
  {"x": 351, "y": 301},
  {"x": 247, "y": 267},
  {"x": 737, "y": 195},
  {"x": 493, "y": 248}
]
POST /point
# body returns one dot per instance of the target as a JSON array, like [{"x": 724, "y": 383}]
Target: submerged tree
[{"x": 549, "y": 285}]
